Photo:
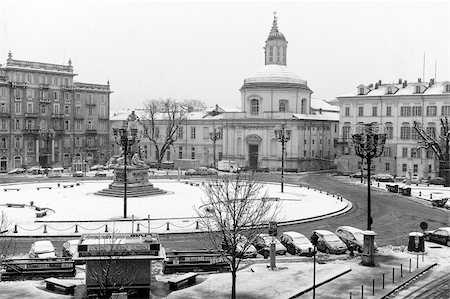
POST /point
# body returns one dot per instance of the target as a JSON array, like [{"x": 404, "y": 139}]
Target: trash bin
[
  {"x": 416, "y": 242},
  {"x": 406, "y": 191},
  {"x": 394, "y": 189}
]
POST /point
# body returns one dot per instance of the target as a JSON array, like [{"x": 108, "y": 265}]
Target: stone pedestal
[{"x": 368, "y": 254}]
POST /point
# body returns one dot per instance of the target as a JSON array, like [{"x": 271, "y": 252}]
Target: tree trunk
[
  {"x": 444, "y": 171},
  {"x": 233, "y": 284}
]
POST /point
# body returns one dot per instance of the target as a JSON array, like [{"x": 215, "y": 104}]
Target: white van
[
  {"x": 227, "y": 165},
  {"x": 55, "y": 172}
]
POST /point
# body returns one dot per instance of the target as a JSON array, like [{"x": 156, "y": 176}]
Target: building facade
[
  {"x": 271, "y": 97},
  {"x": 48, "y": 119},
  {"x": 395, "y": 107}
]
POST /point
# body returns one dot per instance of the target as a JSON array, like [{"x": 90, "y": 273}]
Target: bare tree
[
  {"x": 196, "y": 105},
  {"x": 7, "y": 246},
  {"x": 440, "y": 146},
  {"x": 165, "y": 114},
  {"x": 235, "y": 211}
]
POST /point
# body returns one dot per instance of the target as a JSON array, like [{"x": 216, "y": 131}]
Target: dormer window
[
  {"x": 447, "y": 88},
  {"x": 361, "y": 91},
  {"x": 418, "y": 89},
  {"x": 389, "y": 90}
]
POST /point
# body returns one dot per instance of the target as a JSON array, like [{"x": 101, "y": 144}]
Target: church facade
[{"x": 272, "y": 97}]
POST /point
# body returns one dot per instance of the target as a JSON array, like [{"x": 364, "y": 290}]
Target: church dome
[{"x": 274, "y": 73}]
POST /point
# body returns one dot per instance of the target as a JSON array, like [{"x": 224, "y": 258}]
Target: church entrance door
[{"x": 253, "y": 155}]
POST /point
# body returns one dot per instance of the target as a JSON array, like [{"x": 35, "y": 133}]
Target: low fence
[
  {"x": 198, "y": 260},
  {"x": 21, "y": 269}
]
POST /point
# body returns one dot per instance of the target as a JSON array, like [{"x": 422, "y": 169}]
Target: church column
[
  {"x": 53, "y": 150},
  {"x": 37, "y": 150}
]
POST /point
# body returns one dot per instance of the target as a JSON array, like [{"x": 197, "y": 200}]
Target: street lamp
[
  {"x": 215, "y": 135},
  {"x": 47, "y": 135},
  {"x": 369, "y": 143},
  {"x": 125, "y": 135},
  {"x": 283, "y": 135}
]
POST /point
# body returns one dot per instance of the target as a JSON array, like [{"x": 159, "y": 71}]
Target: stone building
[
  {"x": 48, "y": 119},
  {"x": 395, "y": 106},
  {"x": 272, "y": 97}
]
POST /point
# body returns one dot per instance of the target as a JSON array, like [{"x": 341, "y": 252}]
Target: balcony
[
  {"x": 91, "y": 131},
  {"x": 91, "y": 104},
  {"x": 67, "y": 87},
  {"x": 31, "y": 115},
  {"x": 30, "y": 131},
  {"x": 5, "y": 115},
  {"x": 59, "y": 131},
  {"x": 19, "y": 85},
  {"x": 17, "y": 99},
  {"x": 44, "y": 100},
  {"x": 78, "y": 116},
  {"x": 58, "y": 115},
  {"x": 91, "y": 148},
  {"x": 44, "y": 86}
]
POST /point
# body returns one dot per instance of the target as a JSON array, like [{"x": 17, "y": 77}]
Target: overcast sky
[{"x": 204, "y": 50}]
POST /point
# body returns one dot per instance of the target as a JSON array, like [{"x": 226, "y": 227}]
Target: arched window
[
  {"x": 361, "y": 91},
  {"x": 254, "y": 107},
  {"x": 405, "y": 131},
  {"x": 273, "y": 147},
  {"x": 3, "y": 164},
  {"x": 283, "y": 106},
  {"x": 389, "y": 130},
  {"x": 303, "y": 106},
  {"x": 418, "y": 89},
  {"x": 389, "y": 90},
  {"x": 447, "y": 88},
  {"x": 66, "y": 159},
  {"x": 17, "y": 161}
]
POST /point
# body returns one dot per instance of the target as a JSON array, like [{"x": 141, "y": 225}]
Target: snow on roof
[
  {"x": 410, "y": 89},
  {"x": 274, "y": 73},
  {"x": 330, "y": 116},
  {"x": 322, "y": 104}
]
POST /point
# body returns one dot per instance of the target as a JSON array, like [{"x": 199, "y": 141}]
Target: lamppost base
[{"x": 368, "y": 254}]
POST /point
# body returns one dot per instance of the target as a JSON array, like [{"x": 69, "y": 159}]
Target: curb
[
  {"x": 319, "y": 284},
  {"x": 407, "y": 281}
]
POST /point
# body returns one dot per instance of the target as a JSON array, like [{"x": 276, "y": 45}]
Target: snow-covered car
[
  {"x": 440, "y": 203},
  {"x": 437, "y": 181},
  {"x": 17, "y": 171},
  {"x": 190, "y": 172},
  {"x": 243, "y": 247},
  {"x": 297, "y": 243},
  {"x": 262, "y": 244},
  {"x": 42, "y": 249},
  {"x": 70, "y": 248},
  {"x": 383, "y": 177},
  {"x": 329, "y": 242},
  {"x": 102, "y": 174},
  {"x": 447, "y": 205},
  {"x": 78, "y": 174},
  {"x": 97, "y": 167},
  {"x": 352, "y": 237},
  {"x": 440, "y": 235}
]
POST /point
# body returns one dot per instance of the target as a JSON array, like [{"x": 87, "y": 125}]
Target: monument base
[{"x": 137, "y": 183}]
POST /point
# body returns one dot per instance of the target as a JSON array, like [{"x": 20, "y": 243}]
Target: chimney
[
  {"x": 419, "y": 80},
  {"x": 379, "y": 82},
  {"x": 370, "y": 85},
  {"x": 400, "y": 81},
  {"x": 190, "y": 108},
  {"x": 431, "y": 82},
  {"x": 376, "y": 85},
  {"x": 405, "y": 83}
]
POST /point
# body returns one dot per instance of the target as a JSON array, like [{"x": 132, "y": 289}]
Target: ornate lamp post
[
  {"x": 125, "y": 134},
  {"x": 47, "y": 135},
  {"x": 283, "y": 135},
  {"x": 369, "y": 141},
  {"x": 215, "y": 135}
]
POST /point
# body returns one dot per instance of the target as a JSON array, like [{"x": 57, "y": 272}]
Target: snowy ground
[{"x": 79, "y": 205}]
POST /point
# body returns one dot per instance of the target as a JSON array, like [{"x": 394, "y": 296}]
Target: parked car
[
  {"x": 329, "y": 242},
  {"x": 36, "y": 170},
  {"x": 262, "y": 244},
  {"x": 190, "y": 172},
  {"x": 440, "y": 235},
  {"x": 55, "y": 172},
  {"x": 70, "y": 248},
  {"x": 437, "y": 181},
  {"x": 447, "y": 205},
  {"x": 440, "y": 203},
  {"x": 98, "y": 167},
  {"x": 352, "y": 237},
  {"x": 102, "y": 174},
  {"x": 383, "y": 177},
  {"x": 243, "y": 247},
  {"x": 296, "y": 243},
  {"x": 42, "y": 249},
  {"x": 78, "y": 174},
  {"x": 17, "y": 171}
]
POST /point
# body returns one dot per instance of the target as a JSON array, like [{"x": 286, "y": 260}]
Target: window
[
  {"x": 55, "y": 81},
  {"x": 90, "y": 142},
  {"x": 389, "y": 131},
  {"x": 347, "y": 111},
  {"x": 431, "y": 110},
  {"x": 66, "y": 96},
  {"x": 361, "y": 111},
  {"x": 205, "y": 132},
  {"x": 405, "y": 131},
  {"x": 156, "y": 132},
  {"x": 78, "y": 97},
  {"x": 415, "y": 168},
  {"x": 283, "y": 106},
  {"x": 180, "y": 152},
  {"x": 30, "y": 93},
  {"x": 404, "y": 152},
  {"x": 29, "y": 124},
  {"x": 414, "y": 134},
  {"x": 431, "y": 130},
  {"x": 374, "y": 111},
  {"x": 78, "y": 125},
  {"x": 447, "y": 88},
  {"x": 3, "y": 142},
  {"x": 56, "y": 109},
  {"x": 29, "y": 78},
  {"x": 66, "y": 110},
  {"x": 254, "y": 107},
  {"x": 387, "y": 166},
  {"x": 18, "y": 108},
  {"x": 387, "y": 151},
  {"x": 29, "y": 145},
  {"x": 445, "y": 110},
  {"x": 17, "y": 142},
  {"x": 193, "y": 153},
  {"x": 415, "y": 153},
  {"x": 66, "y": 81},
  {"x": 416, "y": 111},
  {"x": 404, "y": 168},
  {"x": 29, "y": 107},
  {"x": 388, "y": 110},
  {"x": 193, "y": 133},
  {"x": 43, "y": 109},
  {"x": 417, "y": 89},
  {"x": 66, "y": 125},
  {"x": 78, "y": 142},
  {"x": 180, "y": 133},
  {"x": 389, "y": 90},
  {"x": 18, "y": 93},
  {"x": 361, "y": 91},
  {"x": 102, "y": 111},
  {"x": 430, "y": 154},
  {"x": 56, "y": 96},
  {"x": 90, "y": 111},
  {"x": 90, "y": 99},
  {"x": 89, "y": 125},
  {"x": 405, "y": 111},
  {"x": 17, "y": 124},
  {"x": 42, "y": 79}
]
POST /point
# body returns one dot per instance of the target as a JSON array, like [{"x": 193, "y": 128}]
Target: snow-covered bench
[
  {"x": 11, "y": 189},
  {"x": 44, "y": 187},
  {"x": 188, "y": 277},
  {"x": 67, "y": 286},
  {"x": 15, "y": 205}
]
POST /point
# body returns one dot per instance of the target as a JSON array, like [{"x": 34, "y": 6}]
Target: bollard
[
  {"x": 308, "y": 187},
  {"x": 333, "y": 194},
  {"x": 138, "y": 228},
  {"x": 393, "y": 275},
  {"x": 383, "y": 281},
  {"x": 401, "y": 270},
  {"x": 417, "y": 263},
  {"x": 31, "y": 203},
  {"x": 59, "y": 185},
  {"x": 196, "y": 225},
  {"x": 362, "y": 291},
  {"x": 167, "y": 227},
  {"x": 320, "y": 190},
  {"x": 378, "y": 184},
  {"x": 420, "y": 193},
  {"x": 15, "y": 228},
  {"x": 45, "y": 228},
  {"x": 76, "y": 228},
  {"x": 350, "y": 295},
  {"x": 431, "y": 196},
  {"x": 409, "y": 265},
  {"x": 373, "y": 287},
  {"x": 327, "y": 192},
  {"x": 341, "y": 198},
  {"x": 106, "y": 228}
]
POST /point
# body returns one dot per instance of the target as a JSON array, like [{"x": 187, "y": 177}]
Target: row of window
[
  {"x": 56, "y": 124},
  {"x": 391, "y": 90},
  {"x": 39, "y": 79},
  {"x": 404, "y": 111},
  {"x": 387, "y": 167},
  {"x": 18, "y": 142},
  {"x": 56, "y": 95},
  {"x": 56, "y": 109},
  {"x": 283, "y": 106}
]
